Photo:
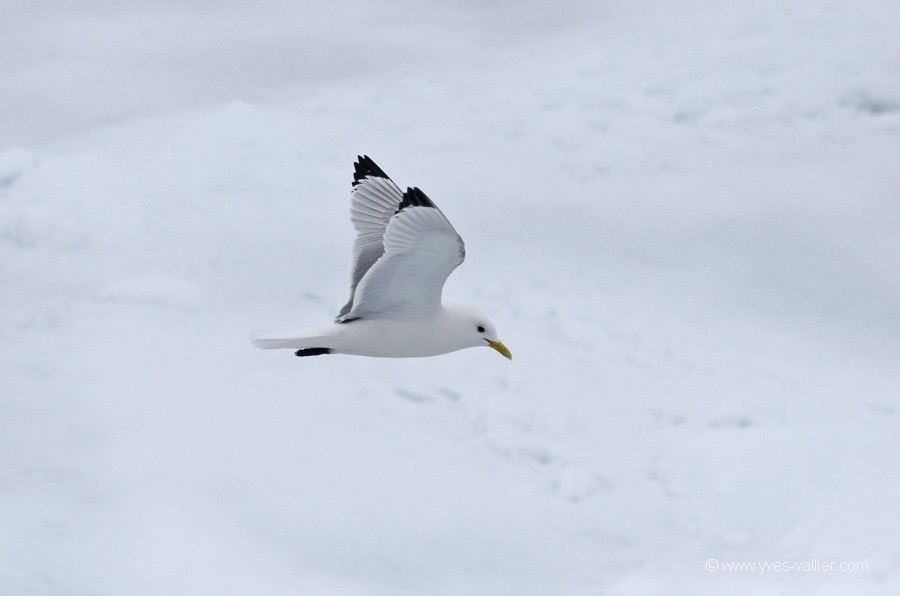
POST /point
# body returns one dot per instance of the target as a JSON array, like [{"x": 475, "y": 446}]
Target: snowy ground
[{"x": 682, "y": 217}]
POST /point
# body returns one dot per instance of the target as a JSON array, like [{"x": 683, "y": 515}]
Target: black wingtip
[
  {"x": 363, "y": 167},
  {"x": 312, "y": 351},
  {"x": 413, "y": 197}
]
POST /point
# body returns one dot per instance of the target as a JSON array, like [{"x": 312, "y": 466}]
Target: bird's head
[{"x": 474, "y": 328}]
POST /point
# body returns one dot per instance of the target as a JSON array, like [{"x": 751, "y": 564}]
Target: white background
[{"x": 684, "y": 219}]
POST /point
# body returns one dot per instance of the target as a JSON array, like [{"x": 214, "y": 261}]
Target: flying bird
[{"x": 404, "y": 251}]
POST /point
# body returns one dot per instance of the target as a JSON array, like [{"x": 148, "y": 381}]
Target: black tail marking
[{"x": 312, "y": 351}]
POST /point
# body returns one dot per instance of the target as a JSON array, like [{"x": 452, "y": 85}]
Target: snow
[{"x": 682, "y": 217}]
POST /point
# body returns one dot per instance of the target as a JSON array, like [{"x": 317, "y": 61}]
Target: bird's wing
[
  {"x": 421, "y": 249},
  {"x": 373, "y": 201}
]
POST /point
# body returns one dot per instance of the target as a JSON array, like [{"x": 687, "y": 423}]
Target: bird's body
[
  {"x": 384, "y": 338},
  {"x": 404, "y": 251}
]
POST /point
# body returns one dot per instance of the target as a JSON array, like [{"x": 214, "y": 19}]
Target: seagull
[{"x": 404, "y": 251}]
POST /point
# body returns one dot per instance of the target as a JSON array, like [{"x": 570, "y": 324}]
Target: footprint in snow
[{"x": 428, "y": 395}]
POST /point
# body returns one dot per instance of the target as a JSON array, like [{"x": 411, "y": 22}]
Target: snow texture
[{"x": 682, "y": 217}]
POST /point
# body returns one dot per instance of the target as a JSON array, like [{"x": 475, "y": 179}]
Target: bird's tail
[{"x": 306, "y": 344}]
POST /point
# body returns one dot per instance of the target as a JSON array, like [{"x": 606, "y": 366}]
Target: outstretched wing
[
  {"x": 373, "y": 201},
  {"x": 421, "y": 249}
]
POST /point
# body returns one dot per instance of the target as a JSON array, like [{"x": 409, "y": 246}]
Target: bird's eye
[{"x": 480, "y": 329}]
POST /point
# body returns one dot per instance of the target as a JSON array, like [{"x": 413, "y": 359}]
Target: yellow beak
[{"x": 498, "y": 345}]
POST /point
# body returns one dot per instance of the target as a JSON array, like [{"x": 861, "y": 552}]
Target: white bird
[{"x": 404, "y": 251}]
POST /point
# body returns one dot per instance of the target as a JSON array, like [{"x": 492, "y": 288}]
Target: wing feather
[
  {"x": 373, "y": 201},
  {"x": 421, "y": 249}
]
